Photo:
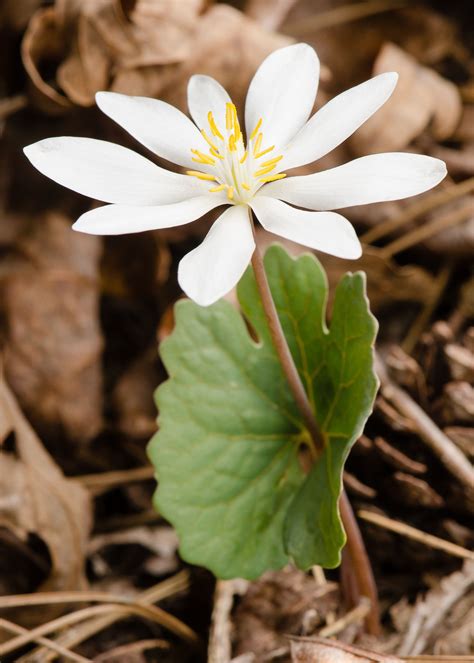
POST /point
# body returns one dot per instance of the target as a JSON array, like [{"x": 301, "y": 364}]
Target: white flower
[{"x": 222, "y": 169}]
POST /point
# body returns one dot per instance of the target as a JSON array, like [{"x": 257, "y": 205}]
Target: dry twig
[
  {"x": 447, "y": 452},
  {"x": 354, "y": 616},
  {"x": 417, "y": 209},
  {"x": 415, "y": 534},
  {"x": 10, "y": 627}
]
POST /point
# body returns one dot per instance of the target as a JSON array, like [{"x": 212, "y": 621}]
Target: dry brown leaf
[
  {"x": 270, "y": 15},
  {"x": 110, "y": 44},
  {"x": 424, "y": 33},
  {"x": 16, "y": 13},
  {"x": 459, "y": 641},
  {"x": 44, "y": 43},
  {"x": 151, "y": 51},
  {"x": 323, "y": 650},
  {"x": 277, "y": 604},
  {"x": 413, "y": 106},
  {"x": 227, "y": 46},
  {"x": 53, "y": 340},
  {"x": 432, "y": 609},
  {"x": 133, "y": 397},
  {"x": 36, "y": 498},
  {"x": 93, "y": 43}
]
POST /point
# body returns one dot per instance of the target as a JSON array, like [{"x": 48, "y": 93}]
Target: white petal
[
  {"x": 123, "y": 219},
  {"x": 325, "y": 231},
  {"x": 371, "y": 179},
  {"x": 110, "y": 172},
  {"x": 162, "y": 128},
  {"x": 282, "y": 93},
  {"x": 216, "y": 265},
  {"x": 337, "y": 120},
  {"x": 206, "y": 94}
]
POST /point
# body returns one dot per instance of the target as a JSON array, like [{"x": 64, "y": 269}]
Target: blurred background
[{"x": 81, "y": 317}]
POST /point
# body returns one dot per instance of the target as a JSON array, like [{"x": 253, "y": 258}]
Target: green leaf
[{"x": 227, "y": 452}]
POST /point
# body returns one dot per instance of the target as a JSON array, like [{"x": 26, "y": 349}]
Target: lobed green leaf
[{"x": 230, "y": 435}]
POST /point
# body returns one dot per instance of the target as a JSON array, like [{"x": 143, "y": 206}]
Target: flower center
[{"x": 233, "y": 167}]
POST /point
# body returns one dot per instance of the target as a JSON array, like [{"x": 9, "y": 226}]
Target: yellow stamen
[
  {"x": 213, "y": 125},
  {"x": 228, "y": 116},
  {"x": 232, "y": 145},
  {"x": 245, "y": 186},
  {"x": 244, "y": 157},
  {"x": 201, "y": 162},
  {"x": 221, "y": 187},
  {"x": 272, "y": 178},
  {"x": 201, "y": 176},
  {"x": 203, "y": 158},
  {"x": 235, "y": 119},
  {"x": 270, "y": 161},
  {"x": 257, "y": 154},
  {"x": 264, "y": 171},
  {"x": 257, "y": 145},
  {"x": 216, "y": 153},
  {"x": 208, "y": 140},
  {"x": 255, "y": 131},
  {"x": 230, "y": 192}
]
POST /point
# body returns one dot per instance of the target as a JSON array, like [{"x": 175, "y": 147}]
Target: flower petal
[
  {"x": 282, "y": 93},
  {"x": 206, "y": 94},
  {"x": 123, "y": 219},
  {"x": 337, "y": 120},
  {"x": 371, "y": 179},
  {"x": 110, "y": 172},
  {"x": 216, "y": 265},
  {"x": 325, "y": 231},
  {"x": 162, "y": 128}
]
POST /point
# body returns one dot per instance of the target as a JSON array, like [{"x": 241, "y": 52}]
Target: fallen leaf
[
  {"x": 37, "y": 499},
  {"x": 414, "y": 104},
  {"x": 53, "y": 341},
  {"x": 234, "y": 66},
  {"x": 133, "y": 397},
  {"x": 16, "y": 13},
  {"x": 93, "y": 43},
  {"x": 43, "y": 43},
  {"x": 323, "y": 650},
  {"x": 270, "y": 15}
]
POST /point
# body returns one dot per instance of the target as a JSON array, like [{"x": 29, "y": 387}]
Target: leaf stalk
[{"x": 355, "y": 544}]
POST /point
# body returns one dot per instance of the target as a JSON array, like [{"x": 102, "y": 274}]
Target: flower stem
[
  {"x": 283, "y": 352},
  {"x": 355, "y": 544}
]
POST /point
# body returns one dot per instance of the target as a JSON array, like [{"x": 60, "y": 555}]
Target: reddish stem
[{"x": 355, "y": 544}]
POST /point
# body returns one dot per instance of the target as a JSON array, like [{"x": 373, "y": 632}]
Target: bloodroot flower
[{"x": 223, "y": 168}]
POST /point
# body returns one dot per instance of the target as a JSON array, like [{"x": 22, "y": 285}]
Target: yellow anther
[
  {"x": 272, "y": 178},
  {"x": 235, "y": 119},
  {"x": 270, "y": 161},
  {"x": 201, "y": 176},
  {"x": 264, "y": 171},
  {"x": 216, "y": 153},
  {"x": 258, "y": 144},
  {"x": 208, "y": 140},
  {"x": 230, "y": 192},
  {"x": 256, "y": 130},
  {"x": 221, "y": 187},
  {"x": 228, "y": 115},
  {"x": 232, "y": 145},
  {"x": 203, "y": 158},
  {"x": 245, "y": 186},
  {"x": 201, "y": 162},
  {"x": 213, "y": 125},
  {"x": 257, "y": 155},
  {"x": 244, "y": 157}
]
